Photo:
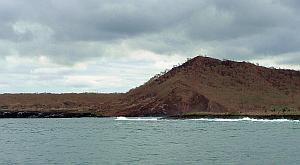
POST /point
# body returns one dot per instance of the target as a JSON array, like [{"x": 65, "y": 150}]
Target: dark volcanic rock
[{"x": 22, "y": 114}]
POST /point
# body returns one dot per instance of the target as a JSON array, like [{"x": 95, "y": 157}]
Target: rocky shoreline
[
  {"x": 36, "y": 114},
  {"x": 229, "y": 116},
  {"x": 23, "y": 114}
]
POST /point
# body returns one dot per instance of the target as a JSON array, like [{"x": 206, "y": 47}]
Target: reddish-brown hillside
[{"x": 204, "y": 84}]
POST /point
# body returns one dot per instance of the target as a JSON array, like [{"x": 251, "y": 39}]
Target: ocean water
[{"x": 149, "y": 141}]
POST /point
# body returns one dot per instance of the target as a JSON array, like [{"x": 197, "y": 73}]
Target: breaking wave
[
  {"x": 245, "y": 119},
  {"x": 208, "y": 119},
  {"x": 135, "y": 119}
]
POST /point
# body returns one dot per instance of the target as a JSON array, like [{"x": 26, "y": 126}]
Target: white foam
[
  {"x": 135, "y": 119},
  {"x": 245, "y": 119},
  {"x": 121, "y": 118}
]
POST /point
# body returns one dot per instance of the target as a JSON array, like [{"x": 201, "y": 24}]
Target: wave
[
  {"x": 245, "y": 119},
  {"x": 121, "y": 118},
  {"x": 135, "y": 119}
]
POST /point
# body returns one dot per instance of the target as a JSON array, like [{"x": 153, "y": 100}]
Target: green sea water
[{"x": 149, "y": 141}]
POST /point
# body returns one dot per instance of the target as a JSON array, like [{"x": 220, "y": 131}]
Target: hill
[
  {"x": 201, "y": 85},
  {"x": 205, "y": 84}
]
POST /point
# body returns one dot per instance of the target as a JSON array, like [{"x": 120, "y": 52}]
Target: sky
[{"x": 108, "y": 46}]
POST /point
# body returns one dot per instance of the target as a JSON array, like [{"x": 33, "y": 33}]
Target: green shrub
[{"x": 280, "y": 108}]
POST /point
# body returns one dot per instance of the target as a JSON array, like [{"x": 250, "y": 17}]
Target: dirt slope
[{"x": 204, "y": 84}]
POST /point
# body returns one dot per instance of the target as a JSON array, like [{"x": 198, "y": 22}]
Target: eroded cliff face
[{"x": 201, "y": 84}]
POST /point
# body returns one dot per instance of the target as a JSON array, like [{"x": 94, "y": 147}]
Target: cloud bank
[{"x": 111, "y": 46}]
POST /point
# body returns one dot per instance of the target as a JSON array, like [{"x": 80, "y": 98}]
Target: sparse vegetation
[{"x": 280, "y": 108}]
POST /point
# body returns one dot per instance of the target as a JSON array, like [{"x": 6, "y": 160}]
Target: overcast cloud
[{"x": 114, "y": 45}]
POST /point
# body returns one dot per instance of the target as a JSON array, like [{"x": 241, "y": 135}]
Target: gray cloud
[
  {"x": 68, "y": 32},
  {"x": 199, "y": 21}
]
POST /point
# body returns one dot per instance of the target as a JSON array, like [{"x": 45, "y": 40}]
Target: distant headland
[{"x": 200, "y": 87}]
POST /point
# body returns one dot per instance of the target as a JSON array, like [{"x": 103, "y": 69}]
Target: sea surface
[{"x": 149, "y": 141}]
